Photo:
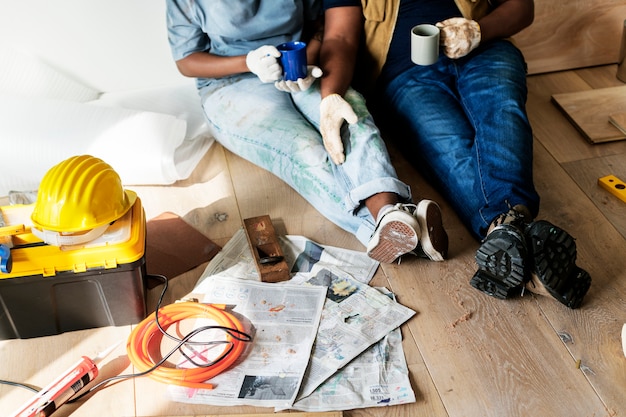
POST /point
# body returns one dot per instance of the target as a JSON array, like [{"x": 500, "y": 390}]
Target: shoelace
[{"x": 512, "y": 217}]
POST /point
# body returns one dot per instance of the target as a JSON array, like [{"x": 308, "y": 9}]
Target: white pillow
[
  {"x": 143, "y": 147},
  {"x": 181, "y": 100}
]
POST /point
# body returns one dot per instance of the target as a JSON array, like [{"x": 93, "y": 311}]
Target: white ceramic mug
[{"x": 424, "y": 44}]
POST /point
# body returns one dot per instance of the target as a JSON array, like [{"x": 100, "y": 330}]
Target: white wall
[
  {"x": 108, "y": 45},
  {"x": 94, "y": 77}
]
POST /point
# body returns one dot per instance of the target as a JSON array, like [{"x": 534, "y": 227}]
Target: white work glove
[
  {"x": 301, "y": 84},
  {"x": 264, "y": 64},
  {"x": 459, "y": 36},
  {"x": 333, "y": 111}
]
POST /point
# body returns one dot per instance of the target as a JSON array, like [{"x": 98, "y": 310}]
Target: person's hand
[
  {"x": 301, "y": 84},
  {"x": 263, "y": 63},
  {"x": 333, "y": 111},
  {"x": 459, "y": 36}
]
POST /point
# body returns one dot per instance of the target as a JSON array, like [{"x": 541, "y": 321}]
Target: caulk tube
[
  {"x": 62, "y": 389},
  {"x": 59, "y": 391}
]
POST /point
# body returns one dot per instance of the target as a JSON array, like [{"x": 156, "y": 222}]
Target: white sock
[{"x": 383, "y": 209}]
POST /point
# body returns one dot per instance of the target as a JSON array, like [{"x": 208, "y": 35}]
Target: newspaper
[
  {"x": 357, "y": 321},
  {"x": 355, "y": 317},
  {"x": 283, "y": 321},
  {"x": 377, "y": 377},
  {"x": 233, "y": 261},
  {"x": 304, "y": 255},
  {"x": 301, "y": 254}
]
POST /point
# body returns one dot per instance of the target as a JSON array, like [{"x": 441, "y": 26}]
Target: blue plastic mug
[{"x": 293, "y": 60}]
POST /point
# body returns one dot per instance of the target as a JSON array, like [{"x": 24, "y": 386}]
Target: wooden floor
[{"x": 468, "y": 354}]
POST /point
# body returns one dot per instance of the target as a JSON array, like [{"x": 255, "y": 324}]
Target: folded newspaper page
[
  {"x": 378, "y": 377},
  {"x": 355, "y": 317},
  {"x": 306, "y": 256},
  {"x": 283, "y": 320}
]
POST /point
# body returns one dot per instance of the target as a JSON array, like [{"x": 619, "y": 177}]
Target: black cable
[
  {"x": 235, "y": 333},
  {"x": 17, "y": 384},
  {"x": 186, "y": 340}
]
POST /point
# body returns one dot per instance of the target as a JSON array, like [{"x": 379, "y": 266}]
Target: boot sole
[
  {"x": 486, "y": 283},
  {"x": 501, "y": 263},
  {"x": 554, "y": 254},
  {"x": 572, "y": 296}
]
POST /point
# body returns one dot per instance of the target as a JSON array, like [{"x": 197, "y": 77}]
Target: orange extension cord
[{"x": 147, "y": 337}]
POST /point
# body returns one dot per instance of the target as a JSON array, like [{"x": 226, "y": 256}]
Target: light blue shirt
[{"x": 235, "y": 27}]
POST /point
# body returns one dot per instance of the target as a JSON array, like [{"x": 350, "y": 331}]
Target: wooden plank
[
  {"x": 591, "y": 334},
  {"x": 570, "y": 34},
  {"x": 260, "y": 192},
  {"x": 589, "y": 111},
  {"x": 586, "y": 173},
  {"x": 599, "y": 77},
  {"x": 173, "y": 247},
  {"x": 206, "y": 200},
  {"x": 619, "y": 121},
  {"x": 428, "y": 401},
  {"x": 550, "y": 125}
]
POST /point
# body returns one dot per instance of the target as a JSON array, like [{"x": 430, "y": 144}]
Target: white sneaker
[
  {"x": 397, "y": 232},
  {"x": 433, "y": 238}
]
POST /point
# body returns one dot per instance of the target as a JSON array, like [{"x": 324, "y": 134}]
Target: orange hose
[{"x": 147, "y": 334}]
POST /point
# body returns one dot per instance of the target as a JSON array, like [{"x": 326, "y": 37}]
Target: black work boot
[
  {"x": 553, "y": 263},
  {"x": 501, "y": 258}
]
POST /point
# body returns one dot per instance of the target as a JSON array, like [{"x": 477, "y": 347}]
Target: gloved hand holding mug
[
  {"x": 264, "y": 64},
  {"x": 301, "y": 84},
  {"x": 459, "y": 36},
  {"x": 333, "y": 111}
]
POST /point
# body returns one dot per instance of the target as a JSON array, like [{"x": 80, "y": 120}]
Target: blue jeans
[
  {"x": 463, "y": 123},
  {"x": 279, "y": 132}
]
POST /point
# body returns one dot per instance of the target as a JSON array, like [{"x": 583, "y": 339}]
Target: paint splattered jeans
[{"x": 279, "y": 132}]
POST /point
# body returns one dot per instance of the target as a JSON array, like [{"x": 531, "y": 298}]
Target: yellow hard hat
[{"x": 79, "y": 194}]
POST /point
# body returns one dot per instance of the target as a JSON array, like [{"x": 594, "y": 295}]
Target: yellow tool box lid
[{"x": 123, "y": 243}]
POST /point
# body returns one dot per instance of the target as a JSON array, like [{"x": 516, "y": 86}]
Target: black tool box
[{"x": 52, "y": 289}]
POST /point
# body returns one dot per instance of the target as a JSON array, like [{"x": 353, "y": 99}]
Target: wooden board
[
  {"x": 589, "y": 111},
  {"x": 569, "y": 34},
  {"x": 619, "y": 121}
]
